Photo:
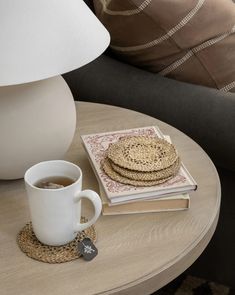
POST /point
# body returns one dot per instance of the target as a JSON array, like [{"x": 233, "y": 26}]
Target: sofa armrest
[{"x": 206, "y": 115}]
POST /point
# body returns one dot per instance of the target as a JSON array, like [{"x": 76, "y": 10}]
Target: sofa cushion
[{"x": 188, "y": 40}]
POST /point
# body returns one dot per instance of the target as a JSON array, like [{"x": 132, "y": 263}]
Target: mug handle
[{"x": 95, "y": 200}]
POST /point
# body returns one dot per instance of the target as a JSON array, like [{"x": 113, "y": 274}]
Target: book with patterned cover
[{"x": 96, "y": 146}]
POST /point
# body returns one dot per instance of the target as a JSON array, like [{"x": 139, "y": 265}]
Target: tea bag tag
[{"x": 87, "y": 249}]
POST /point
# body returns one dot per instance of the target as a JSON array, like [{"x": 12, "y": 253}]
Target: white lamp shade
[{"x": 45, "y": 38}]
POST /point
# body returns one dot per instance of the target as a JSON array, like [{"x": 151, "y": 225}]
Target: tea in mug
[{"x": 54, "y": 182}]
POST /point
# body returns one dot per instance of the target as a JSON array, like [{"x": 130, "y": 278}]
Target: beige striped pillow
[{"x": 188, "y": 40}]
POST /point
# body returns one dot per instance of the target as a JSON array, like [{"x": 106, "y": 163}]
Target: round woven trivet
[
  {"x": 148, "y": 176},
  {"x": 31, "y": 246},
  {"x": 142, "y": 153},
  {"x": 117, "y": 177}
]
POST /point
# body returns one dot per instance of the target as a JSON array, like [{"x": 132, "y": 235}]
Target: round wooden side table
[{"x": 138, "y": 253}]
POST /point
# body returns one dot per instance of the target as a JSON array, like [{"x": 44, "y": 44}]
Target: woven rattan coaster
[
  {"x": 142, "y": 153},
  {"x": 148, "y": 176},
  {"x": 117, "y": 177},
  {"x": 31, "y": 246}
]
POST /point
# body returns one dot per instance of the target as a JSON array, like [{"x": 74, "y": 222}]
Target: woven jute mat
[
  {"x": 118, "y": 177},
  {"x": 141, "y": 161},
  {"x": 148, "y": 176},
  {"x": 31, "y": 246},
  {"x": 142, "y": 153}
]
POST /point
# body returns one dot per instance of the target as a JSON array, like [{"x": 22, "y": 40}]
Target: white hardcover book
[
  {"x": 165, "y": 204},
  {"x": 96, "y": 146}
]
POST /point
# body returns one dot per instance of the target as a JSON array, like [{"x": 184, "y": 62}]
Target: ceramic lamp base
[{"x": 37, "y": 123}]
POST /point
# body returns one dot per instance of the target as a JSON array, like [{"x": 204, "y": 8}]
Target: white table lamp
[{"x": 40, "y": 40}]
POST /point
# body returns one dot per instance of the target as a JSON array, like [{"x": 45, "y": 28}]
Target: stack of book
[{"x": 118, "y": 198}]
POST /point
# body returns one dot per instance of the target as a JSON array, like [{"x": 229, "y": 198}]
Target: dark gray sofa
[{"x": 206, "y": 115}]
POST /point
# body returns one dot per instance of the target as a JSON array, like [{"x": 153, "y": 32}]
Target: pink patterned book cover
[{"x": 96, "y": 146}]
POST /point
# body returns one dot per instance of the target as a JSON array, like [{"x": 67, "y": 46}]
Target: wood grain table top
[{"x": 138, "y": 253}]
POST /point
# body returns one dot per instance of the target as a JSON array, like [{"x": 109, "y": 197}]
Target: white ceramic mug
[{"x": 56, "y": 213}]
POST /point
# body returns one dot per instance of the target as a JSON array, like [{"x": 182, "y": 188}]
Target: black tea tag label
[{"x": 87, "y": 249}]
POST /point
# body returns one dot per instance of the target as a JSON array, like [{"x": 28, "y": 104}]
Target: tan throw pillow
[{"x": 188, "y": 40}]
